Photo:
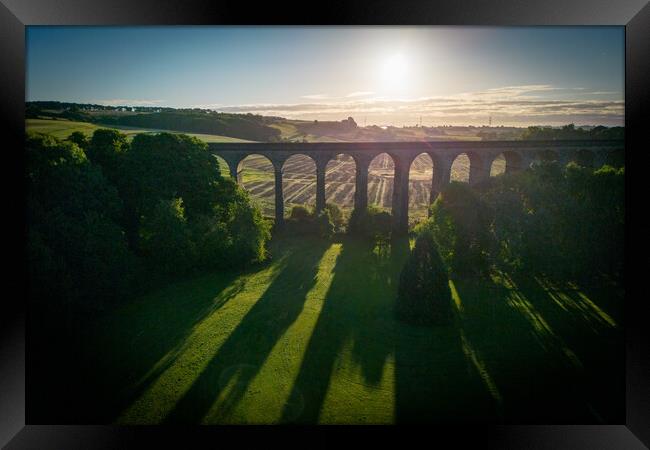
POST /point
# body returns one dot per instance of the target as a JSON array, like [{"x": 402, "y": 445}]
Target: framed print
[{"x": 410, "y": 216}]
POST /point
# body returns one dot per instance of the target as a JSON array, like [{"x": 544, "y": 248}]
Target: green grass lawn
[
  {"x": 310, "y": 338},
  {"x": 63, "y": 128}
]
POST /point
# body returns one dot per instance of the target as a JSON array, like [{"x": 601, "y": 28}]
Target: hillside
[
  {"x": 62, "y": 128},
  {"x": 253, "y": 127}
]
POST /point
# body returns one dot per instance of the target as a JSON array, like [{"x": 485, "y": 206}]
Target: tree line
[
  {"x": 571, "y": 132},
  {"x": 243, "y": 126}
]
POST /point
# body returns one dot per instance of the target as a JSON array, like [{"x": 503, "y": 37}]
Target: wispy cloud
[
  {"x": 601, "y": 93},
  {"x": 209, "y": 106},
  {"x": 334, "y": 97},
  {"x": 509, "y": 104},
  {"x": 316, "y": 96},
  {"x": 127, "y": 102},
  {"x": 359, "y": 94}
]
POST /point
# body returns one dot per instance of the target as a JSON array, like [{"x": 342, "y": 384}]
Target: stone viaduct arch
[{"x": 518, "y": 154}]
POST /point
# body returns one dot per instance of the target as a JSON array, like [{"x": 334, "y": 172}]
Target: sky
[{"x": 433, "y": 75}]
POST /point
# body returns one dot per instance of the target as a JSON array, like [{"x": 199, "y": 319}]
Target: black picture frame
[{"x": 16, "y": 14}]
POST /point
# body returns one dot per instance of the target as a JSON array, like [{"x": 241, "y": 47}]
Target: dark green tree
[
  {"x": 460, "y": 223},
  {"x": 162, "y": 167},
  {"x": 106, "y": 149},
  {"x": 166, "y": 239},
  {"x": 77, "y": 253},
  {"x": 564, "y": 222},
  {"x": 80, "y": 139},
  {"x": 424, "y": 296}
]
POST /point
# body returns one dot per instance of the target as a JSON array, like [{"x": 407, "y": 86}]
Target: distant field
[
  {"x": 63, "y": 128},
  {"x": 299, "y": 181}
]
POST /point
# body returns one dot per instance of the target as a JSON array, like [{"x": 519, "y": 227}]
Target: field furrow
[{"x": 299, "y": 180}]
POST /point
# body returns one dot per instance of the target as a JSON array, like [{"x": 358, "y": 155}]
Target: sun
[{"x": 394, "y": 72}]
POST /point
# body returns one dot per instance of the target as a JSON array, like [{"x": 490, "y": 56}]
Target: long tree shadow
[
  {"x": 356, "y": 310},
  {"x": 534, "y": 349},
  {"x": 244, "y": 352},
  {"x": 440, "y": 375},
  {"x": 118, "y": 356},
  {"x": 383, "y": 282},
  {"x": 156, "y": 343},
  {"x": 590, "y": 381},
  {"x": 507, "y": 338}
]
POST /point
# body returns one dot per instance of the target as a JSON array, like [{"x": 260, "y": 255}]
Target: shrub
[
  {"x": 372, "y": 223},
  {"x": 424, "y": 296},
  {"x": 324, "y": 224},
  {"x": 336, "y": 215},
  {"x": 300, "y": 212},
  {"x": 303, "y": 220}
]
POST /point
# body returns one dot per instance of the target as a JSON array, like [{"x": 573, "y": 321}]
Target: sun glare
[{"x": 394, "y": 72}]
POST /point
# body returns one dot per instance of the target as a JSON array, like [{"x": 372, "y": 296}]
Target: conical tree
[{"x": 424, "y": 297}]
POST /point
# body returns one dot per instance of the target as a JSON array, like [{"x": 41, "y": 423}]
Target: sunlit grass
[
  {"x": 311, "y": 338},
  {"x": 63, "y": 128},
  {"x": 196, "y": 351}
]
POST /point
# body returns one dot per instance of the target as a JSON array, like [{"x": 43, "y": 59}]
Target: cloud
[
  {"x": 601, "y": 93},
  {"x": 331, "y": 97},
  {"x": 508, "y": 104},
  {"x": 127, "y": 102},
  {"x": 316, "y": 96},
  {"x": 208, "y": 106},
  {"x": 359, "y": 94}
]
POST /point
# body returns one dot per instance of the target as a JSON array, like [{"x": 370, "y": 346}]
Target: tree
[
  {"x": 565, "y": 222},
  {"x": 77, "y": 252},
  {"x": 460, "y": 223},
  {"x": 247, "y": 229},
  {"x": 162, "y": 167},
  {"x": 424, "y": 296},
  {"x": 105, "y": 149},
  {"x": 80, "y": 139},
  {"x": 166, "y": 239},
  {"x": 372, "y": 223}
]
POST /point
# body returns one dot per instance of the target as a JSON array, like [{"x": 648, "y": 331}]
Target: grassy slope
[
  {"x": 63, "y": 128},
  {"x": 290, "y": 130},
  {"x": 310, "y": 338}
]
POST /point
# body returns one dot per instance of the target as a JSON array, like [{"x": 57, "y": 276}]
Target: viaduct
[{"x": 518, "y": 155}]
